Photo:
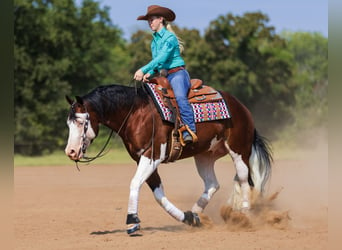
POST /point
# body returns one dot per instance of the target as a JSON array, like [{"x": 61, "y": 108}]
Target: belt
[{"x": 174, "y": 70}]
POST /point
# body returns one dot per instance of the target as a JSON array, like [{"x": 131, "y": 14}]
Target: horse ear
[
  {"x": 79, "y": 100},
  {"x": 69, "y": 100}
]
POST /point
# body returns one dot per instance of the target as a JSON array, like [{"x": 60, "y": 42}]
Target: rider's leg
[{"x": 180, "y": 82}]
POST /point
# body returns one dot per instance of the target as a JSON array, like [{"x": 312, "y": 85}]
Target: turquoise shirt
[{"x": 165, "y": 52}]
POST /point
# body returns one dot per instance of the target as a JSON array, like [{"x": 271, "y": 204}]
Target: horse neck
[{"x": 114, "y": 105}]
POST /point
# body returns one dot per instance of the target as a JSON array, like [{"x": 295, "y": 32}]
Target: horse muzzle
[{"x": 74, "y": 154}]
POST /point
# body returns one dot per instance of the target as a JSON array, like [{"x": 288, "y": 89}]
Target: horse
[{"x": 131, "y": 113}]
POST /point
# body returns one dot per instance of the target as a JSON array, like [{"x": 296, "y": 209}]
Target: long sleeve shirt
[{"x": 165, "y": 52}]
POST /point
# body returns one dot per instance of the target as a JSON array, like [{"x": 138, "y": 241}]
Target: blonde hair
[{"x": 180, "y": 41}]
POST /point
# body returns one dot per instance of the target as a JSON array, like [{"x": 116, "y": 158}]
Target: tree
[
  {"x": 140, "y": 49},
  {"x": 253, "y": 63},
  {"x": 310, "y": 51},
  {"x": 59, "y": 49},
  {"x": 197, "y": 54}
]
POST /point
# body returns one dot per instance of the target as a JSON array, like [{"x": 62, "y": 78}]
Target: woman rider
[{"x": 166, "y": 50}]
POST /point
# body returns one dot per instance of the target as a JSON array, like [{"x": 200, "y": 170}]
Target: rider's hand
[
  {"x": 146, "y": 77},
  {"x": 138, "y": 75}
]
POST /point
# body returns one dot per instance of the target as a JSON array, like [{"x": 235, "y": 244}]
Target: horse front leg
[
  {"x": 145, "y": 168},
  {"x": 156, "y": 186}
]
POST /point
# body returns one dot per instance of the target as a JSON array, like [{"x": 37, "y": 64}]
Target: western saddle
[{"x": 198, "y": 93}]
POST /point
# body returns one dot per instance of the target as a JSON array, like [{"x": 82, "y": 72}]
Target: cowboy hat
[{"x": 156, "y": 10}]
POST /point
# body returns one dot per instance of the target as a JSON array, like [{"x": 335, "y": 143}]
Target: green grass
[
  {"x": 282, "y": 150},
  {"x": 115, "y": 156}
]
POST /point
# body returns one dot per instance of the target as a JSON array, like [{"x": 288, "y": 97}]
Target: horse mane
[{"x": 110, "y": 98}]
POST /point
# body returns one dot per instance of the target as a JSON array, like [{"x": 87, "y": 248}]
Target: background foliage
[{"x": 63, "y": 49}]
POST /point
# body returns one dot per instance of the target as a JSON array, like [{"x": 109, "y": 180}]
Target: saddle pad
[{"x": 207, "y": 111}]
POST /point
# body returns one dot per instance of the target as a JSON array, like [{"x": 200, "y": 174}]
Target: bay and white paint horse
[{"x": 130, "y": 112}]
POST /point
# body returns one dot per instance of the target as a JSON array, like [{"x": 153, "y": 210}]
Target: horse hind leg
[
  {"x": 240, "y": 196},
  {"x": 253, "y": 170},
  {"x": 205, "y": 168}
]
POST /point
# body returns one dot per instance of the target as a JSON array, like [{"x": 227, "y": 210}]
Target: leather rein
[{"x": 100, "y": 153}]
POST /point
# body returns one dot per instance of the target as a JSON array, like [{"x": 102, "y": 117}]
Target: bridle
[
  {"x": 85, "y": 129},
  {"x": 84, "y": 137},
  {"x": 84, "y": 145}
]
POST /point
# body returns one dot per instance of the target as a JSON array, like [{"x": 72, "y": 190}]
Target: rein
[
  {"x": 100, "y": 153},
  {"x": 153, "y": 126}
]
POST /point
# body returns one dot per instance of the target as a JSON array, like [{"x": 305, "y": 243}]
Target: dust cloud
[{"x": 296, "y": 196}]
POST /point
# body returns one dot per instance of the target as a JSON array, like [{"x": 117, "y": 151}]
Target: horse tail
[{"x": 260, "y": 162}]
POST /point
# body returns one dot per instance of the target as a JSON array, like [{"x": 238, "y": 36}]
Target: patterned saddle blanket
[{"x": 207, "y": 103}]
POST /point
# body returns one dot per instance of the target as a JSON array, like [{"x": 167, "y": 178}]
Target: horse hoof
[
  {"x": 192, "y": 219},
  {"x": 132, "y": 229}
]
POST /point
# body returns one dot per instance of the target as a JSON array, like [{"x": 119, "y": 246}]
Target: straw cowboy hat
[{"x": 156, "y": 10}]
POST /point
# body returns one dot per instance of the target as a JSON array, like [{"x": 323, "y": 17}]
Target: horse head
[{"x": 82, "y": 129}]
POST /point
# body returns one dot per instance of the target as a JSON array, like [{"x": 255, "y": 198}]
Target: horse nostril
[{"x": 72, "y": 152}]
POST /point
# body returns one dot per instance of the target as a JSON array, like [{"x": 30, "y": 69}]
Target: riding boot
[{"x": 188, "y": 136}]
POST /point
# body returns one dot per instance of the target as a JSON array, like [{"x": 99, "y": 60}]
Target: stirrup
[{"x": 193, "y": 135}]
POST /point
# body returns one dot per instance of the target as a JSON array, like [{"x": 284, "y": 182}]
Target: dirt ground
[{"x": 61, "y": 208}]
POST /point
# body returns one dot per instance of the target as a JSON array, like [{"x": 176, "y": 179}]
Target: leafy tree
[
  {"x": 139, "y": 49},
  {"x": 310, "y": 51},
  {"x": 197, "y": 54},
  {"x": 58, "y": 49},
  {"x": 253, "y": 63}
]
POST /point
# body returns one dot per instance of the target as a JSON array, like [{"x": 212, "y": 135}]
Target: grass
[
  {"x": 115, "y": 156},
  {"x": 282, "y": 150}
]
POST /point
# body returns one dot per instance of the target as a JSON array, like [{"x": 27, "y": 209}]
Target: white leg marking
[
  {"x": 166, "y": 204},
  {"x": 196, "y": 209},
  {"x": 203, "y": 201},
  {"x": 145, "y": 168},
  {"x": 255, "y": 171},
  {"x": 205, "y": 168},
  {"x": 235, "y": 199},
  {"x": 242, "y": 172}
]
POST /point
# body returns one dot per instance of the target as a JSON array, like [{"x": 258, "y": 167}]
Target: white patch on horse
[
  {"x": 213, "y": 143},
  {"x": 255, "y": 171},
  {"x": 76, "y": 130},
  {"x": 145, "y": 168},
  {"x": 211, "y": 192},
  {"x": 242, "y": 173},
  {"x": 199, "y": 206},
  {"x": 196, "y": 209},
  {"x": 140, "y": 152},
  {"x": 166, "y": 204}
]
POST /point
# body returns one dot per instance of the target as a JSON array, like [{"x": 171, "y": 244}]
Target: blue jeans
[{"x": 180, "y": 82}]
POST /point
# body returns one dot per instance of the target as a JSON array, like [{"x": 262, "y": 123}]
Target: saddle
[{"x": 198, "y": 93}]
